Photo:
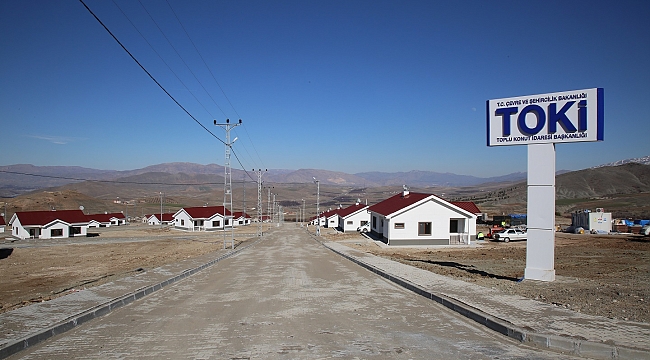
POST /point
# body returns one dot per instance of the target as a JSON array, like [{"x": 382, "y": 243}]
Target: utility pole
[
  {"x": 259, "y": 201},
  {"x": 302, "y": 219},
  {"x": 243, "y": 186},
  {"x": 268, "y": 205},
  {"x": 161, "y": 209},
  {"x": 317, "y": 206},
  {"x": 227, "y": 182}
]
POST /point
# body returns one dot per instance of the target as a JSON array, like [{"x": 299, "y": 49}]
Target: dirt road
[{"x": 285, "y": 297}]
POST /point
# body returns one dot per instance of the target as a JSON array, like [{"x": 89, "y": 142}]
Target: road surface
[{"x": 286, "y": 297}]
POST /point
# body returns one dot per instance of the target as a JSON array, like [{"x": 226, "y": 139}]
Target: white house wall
[
  {"x": 18, "y": 230},
  {"x": 356, "y": 219},
  {"x": 332, "y": 221},
  {"x": 183, "y": 217},
  {"x": 217, "y": 217}
]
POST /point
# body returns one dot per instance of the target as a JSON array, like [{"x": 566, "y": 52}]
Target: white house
[
  {"x": 106, "y": 220},
  {"x": 241, "y": 218},
  {"x": 48, "y": 224},
  {"x": 421, "y": 219},
  {"x": 167, "y": 218},
  {"x": 353, "y": 216},
  {"x": 2, "y": 224},
  {"x": 202, "y": 218}
]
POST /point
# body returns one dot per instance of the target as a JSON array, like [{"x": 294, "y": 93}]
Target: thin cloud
[{"x": 59, "y": 140}]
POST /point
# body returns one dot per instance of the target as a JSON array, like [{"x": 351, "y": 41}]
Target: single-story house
[
  {"x": 353, "y": 216},
  {"x": 421, "y": 219},
  {"x": 106, "y": 220},
  {"x": 241, "y": 218},
  {"x": 48, "y": 224},
  {"x": 202, "y": 218},
  {"x": 167, "y": 218},
  {"x": 2, "y": 224}
]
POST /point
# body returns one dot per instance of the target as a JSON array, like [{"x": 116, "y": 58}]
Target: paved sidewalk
[{"x": 526, "y": 320}]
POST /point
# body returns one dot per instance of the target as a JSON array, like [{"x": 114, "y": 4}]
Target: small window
[
  {"x": 226, "y": 222},
  {"x": 216, "y": 223},
  {"x": 374, "y": 222},
  {"x": 399, "y": 225},
  {"x": 364, "y": 222},
  {"x": 349, "y": 222},
  {"x": 182, "y": 222},
  {"x": 57, "y": 232},
  {"x": 424, "y": 228}
]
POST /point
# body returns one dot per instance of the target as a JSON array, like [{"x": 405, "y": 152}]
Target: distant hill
[
  {"x": 642, "y": 160},
  {"x": 430, "y": 178},
  {"x": 13, "y": 180}
]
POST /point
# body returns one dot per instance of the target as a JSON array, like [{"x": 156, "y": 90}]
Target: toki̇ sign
[{"x": 569, "y": 116}]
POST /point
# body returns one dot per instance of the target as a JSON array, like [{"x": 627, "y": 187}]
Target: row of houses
[
  {"x": 70, "y": 223},
  {"x": 60, "y": 223},
  {"x": 409, "y": 218}
]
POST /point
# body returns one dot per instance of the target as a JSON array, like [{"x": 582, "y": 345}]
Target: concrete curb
[
  {"x": 582, "y": 348},
  {"x": 105, "y": 308}
]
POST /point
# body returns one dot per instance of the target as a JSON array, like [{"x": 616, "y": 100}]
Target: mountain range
[{"x": 22, "y": 178}]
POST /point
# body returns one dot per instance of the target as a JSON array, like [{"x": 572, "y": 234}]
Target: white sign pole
[{"x": 540, "y": 250}]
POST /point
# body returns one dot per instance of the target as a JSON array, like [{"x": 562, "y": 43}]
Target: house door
[{"x": 456, "y": 233}]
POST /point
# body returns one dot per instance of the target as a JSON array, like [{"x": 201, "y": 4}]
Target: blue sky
[{"x": 348, "y": 86}]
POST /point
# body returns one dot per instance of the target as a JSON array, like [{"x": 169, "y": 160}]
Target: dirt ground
[
  {"x": 606, "y": 275},
  {"x": 40, "y": 270}
]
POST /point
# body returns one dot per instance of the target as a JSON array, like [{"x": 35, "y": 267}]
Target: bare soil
[
  {"x": 40, "y": 270},
  {"x": 605, "y": 275}
]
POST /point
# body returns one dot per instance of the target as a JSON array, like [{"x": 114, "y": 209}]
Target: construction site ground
[{"x": 605, "y": 275}]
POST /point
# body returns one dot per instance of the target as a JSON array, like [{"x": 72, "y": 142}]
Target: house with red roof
[
  {"x": 353, "y": 216},
  {"x": 202, "y": 218},
  {"x": 154, "y": 219},
  {"x": 48, "y": 224},
  {"x": 2, "y": 224},
  {"x": 240, "y": 218},
  {"x": 106, "y": 220},
  {"x": 421, "y": 219}
]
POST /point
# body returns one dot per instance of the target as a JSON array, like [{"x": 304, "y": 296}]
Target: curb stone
[
  {"x": 103, "y": 309},
  {"x": 582, "y": 348}
]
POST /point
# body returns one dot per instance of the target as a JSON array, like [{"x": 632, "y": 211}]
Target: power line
[
  {"x": 183, "y": 60},
  {"x": 147, "y": 72}
]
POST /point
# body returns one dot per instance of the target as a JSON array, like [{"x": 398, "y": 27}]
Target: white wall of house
[
  {"x": 48, "y": 231},
  {"x": 353, "y": 221},
  {"x": 17, "y": 229},
  {"x": 153, "y": 220},
  {"x": 214, "y": 223},
  {"x": 377, "y": 223},
  {"x": 183, "y": 221},
  {"x": 332, "y": 221}
]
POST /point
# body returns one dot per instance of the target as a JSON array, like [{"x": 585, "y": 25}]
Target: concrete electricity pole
[
  {"x": 227, "y": 183},
  {"x": 317, "y": 206}
]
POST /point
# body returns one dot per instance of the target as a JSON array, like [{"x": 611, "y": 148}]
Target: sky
[{"x": 341, "y": 85}]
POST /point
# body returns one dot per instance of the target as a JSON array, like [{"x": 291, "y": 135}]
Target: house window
[
  {"x": 399, "y": 225},
  {"x": 349, "y": 222},
  {"x": 364, "y": 222},
  {"x": 216, "y": 223},
  {"x": 453, "y": 226},
  {"x": 226, "y": 222},
  {"x": 424, "y": 228},
  {"x": 57, "y": 232},
  {"x": 182, "y": 222},
  {"x": 374, "y": 222},
  {"x": 75, "y": 230}
]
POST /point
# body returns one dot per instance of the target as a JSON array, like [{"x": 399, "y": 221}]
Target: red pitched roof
[
  {"x": 204, "y": 212},
  {"x": 2, "y": 221},
  {"x": 397, "y": 202},
  {"x": 105, "y": 217},
  {"x": 351, "y": 209},
  {"x": 329, "y": 213},
  {"x": 165, "y": 216},
  {"x": 238, "y": 214},
  {"x": 45, "y": 217},
  {"x": 467, "y": 205}
]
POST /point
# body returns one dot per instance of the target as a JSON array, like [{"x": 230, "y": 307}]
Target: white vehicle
[
  {"x": 364, "y": 228},
  {"x": 510, "y": 234},
  {"x": 645, "y": 230}
]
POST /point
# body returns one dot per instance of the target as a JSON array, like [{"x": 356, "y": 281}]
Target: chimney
[{"x": 406, "y": 191}]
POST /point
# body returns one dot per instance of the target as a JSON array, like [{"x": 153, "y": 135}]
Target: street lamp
[{"x": 317, "y": 206}]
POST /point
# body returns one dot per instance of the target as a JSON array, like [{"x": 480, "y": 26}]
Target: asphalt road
[{"x": 287, "y": 297}]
